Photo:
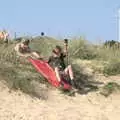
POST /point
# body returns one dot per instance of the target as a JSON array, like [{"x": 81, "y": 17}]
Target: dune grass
[
  {"x": 110, "y": 88},
  {"x": 20, "y": 74}
]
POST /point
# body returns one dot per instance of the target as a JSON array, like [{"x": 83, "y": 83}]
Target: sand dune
[{"x": 19, "y": 106}]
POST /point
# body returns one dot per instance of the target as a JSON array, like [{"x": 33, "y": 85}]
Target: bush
[
  {"x": 109, "y": 88},
  {"x": 22, "y": 77},
  {"x": 80, "y": 48},
  {"x": 112, "y": 68},
  {"x": 111, "y": 43}
]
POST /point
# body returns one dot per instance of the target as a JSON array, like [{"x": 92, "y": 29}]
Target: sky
[{"x": 93, "y": 19}]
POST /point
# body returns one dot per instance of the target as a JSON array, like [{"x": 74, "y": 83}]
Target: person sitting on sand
[
  {"x": 24, "y": 50},
  {"x": 56, "y": 61}
]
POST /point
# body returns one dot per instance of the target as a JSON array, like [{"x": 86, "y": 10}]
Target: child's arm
[
  {"x": 65, "y": 52},
  {"x": 49, "y": 60}
]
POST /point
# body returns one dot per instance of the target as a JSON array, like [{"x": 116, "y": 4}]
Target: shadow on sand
[{"x": 85, "y": 83}]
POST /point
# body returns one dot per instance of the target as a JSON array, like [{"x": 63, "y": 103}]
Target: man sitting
[{"x": 24, "y": 50}]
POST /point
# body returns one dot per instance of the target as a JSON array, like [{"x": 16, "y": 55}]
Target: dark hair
[
  {"x": 54, "y": 51},
  {"x": 59, "y": 48},
  {"x": 26, "y": 42},
  {"x": 66, "y": 41}
]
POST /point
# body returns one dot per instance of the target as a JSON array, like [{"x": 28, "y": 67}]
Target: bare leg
[
  {"x": 57, "y": 74},
  {"x": 35, "y": 55},
  {"x": 69, "y": 71}
]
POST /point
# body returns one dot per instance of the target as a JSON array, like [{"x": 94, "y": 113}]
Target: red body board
[{"x": 45, "y": 69}]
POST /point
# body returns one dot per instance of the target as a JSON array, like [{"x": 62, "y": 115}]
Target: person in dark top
[{"x": 56, "y": 61}]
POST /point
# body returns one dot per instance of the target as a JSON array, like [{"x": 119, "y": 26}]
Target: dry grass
[
  {"x": 19, "y": 74},
  {"x": 110, "y": 88}
]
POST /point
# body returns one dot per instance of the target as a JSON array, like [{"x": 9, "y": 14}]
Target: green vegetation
[
  {"x": 20, "y": 74},
  {"x": 110, "y": 88},
  {"x": 112, "y": 68},
  {"x": 81, "y": 49}
]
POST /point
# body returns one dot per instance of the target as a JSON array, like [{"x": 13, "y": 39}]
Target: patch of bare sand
[{"x": 19, "y": 106}]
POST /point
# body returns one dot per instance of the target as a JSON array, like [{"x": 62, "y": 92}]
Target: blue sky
[{"x": 94, "y": 19}]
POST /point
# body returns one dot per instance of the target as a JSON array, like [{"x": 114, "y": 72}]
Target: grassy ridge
[{"x": 20, "y": 74}]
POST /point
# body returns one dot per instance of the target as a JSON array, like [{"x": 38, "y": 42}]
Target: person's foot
[
  {"x": 73, "y": 92},
  {"x": 61, "y": 83},
  {"x": 72, "y": 82}
]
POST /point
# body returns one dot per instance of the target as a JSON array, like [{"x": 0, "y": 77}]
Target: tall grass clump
[
  {"x": 20, "y": 74},
  {"x": 82, "y": 49},
  {"x": 109, "y": 52},
  {"x": 112, "y": 68},
  {"x": 44, "y": 45}
]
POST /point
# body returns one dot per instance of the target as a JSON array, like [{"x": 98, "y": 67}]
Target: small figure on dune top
[{"x": 42, "y": 33}]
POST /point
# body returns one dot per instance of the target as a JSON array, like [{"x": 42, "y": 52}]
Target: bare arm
[{"x": 65, "y": 52}]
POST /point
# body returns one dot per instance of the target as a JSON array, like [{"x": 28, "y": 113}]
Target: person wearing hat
[
  {"x": 24, "y": 50},
  {"x": 56, "y": 61}
]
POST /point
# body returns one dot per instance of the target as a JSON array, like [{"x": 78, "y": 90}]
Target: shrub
[
  {"x": 109, "y": 88},
  {"x": 80, "y": 48},
  {"x": 112, "y": 68}
]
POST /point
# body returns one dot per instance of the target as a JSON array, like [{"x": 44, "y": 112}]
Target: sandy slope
[{"x": 19, "y": 106}]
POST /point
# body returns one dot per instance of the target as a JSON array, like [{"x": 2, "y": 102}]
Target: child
[{"x": 56, "y": 61}]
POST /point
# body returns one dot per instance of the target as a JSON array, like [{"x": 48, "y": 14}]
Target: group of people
[{"x": 56, "y": 60}]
